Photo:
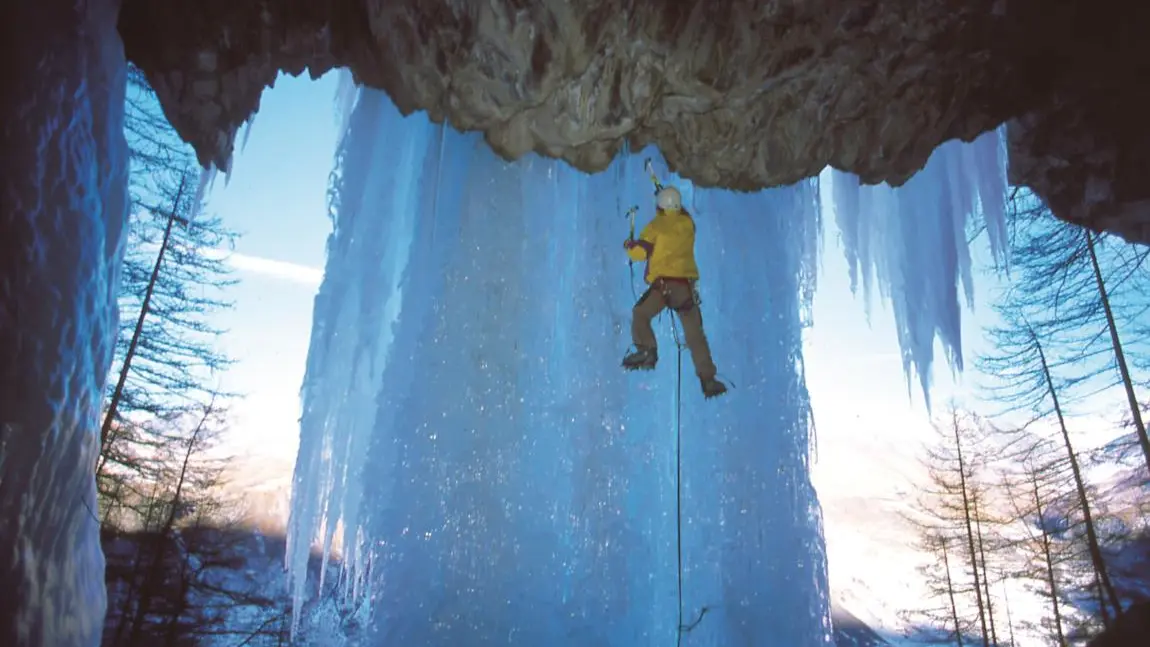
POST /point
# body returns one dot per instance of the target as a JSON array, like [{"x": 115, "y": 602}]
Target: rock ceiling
[{"x": 735, "y": 93}]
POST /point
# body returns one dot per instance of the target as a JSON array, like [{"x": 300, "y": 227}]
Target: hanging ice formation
[
  {"x": 492, "y": 474},
  {"x": 913, "y": 239}
]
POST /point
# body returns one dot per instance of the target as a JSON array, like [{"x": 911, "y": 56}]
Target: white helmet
[{"x": 669, "y": 199}]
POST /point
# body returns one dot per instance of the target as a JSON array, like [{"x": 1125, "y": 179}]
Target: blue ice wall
[
  {"x": 494, "y": 475},
  {"x": 63, "y": 207}
]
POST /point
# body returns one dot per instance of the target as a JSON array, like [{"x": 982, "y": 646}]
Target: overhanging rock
[{"x": 742, "y": 94}]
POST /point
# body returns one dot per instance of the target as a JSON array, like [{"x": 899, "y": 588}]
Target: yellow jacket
[{"x": 667, "y": 243}]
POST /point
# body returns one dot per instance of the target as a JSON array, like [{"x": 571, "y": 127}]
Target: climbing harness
[{"x": 692, "y": 301}]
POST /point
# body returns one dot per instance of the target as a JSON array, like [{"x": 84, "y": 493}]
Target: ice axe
[
  {"x": 630, "y": 263},
  {"x": 651, "y": 171},
  {"x": 631, "y": 214}
]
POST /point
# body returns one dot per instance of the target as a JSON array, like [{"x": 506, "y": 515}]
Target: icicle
[
  {"x": 845, "y": 191},
  {"x": 247, "y": 132},
  {"x": 808, "y": 221},
  {"x": 990, "y": 161},
  {"x": 227, "y": 169},
  {"x": 207, "y": 180},
  {"x": 346, "y": 92},
  {"x": 914, "y": 240},
  {"x": 375, "y": 220}
]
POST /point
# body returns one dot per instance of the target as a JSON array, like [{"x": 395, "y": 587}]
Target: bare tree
[
  {"x": 113, "y": 409},
  {"x": 1031, "y": 483},
  {"x": 1028, "y": 382},
  {"x": 942, "y": 588},
  {"x": 174, "y": 279},
  {"x": 947, "y": 519},
  {"x": 967, "y": 497},
  {"x": 976, "y": 515},
  {"x": 150, "y": 574},
  {"x": 1077, "y": 291},
  {"x": 187, "y": 573},
  {"x": 1117, "y": 347},
  {"x": 158, "y": 473}
]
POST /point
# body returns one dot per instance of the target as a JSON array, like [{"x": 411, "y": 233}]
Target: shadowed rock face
[{"x": 742, "y": 94}]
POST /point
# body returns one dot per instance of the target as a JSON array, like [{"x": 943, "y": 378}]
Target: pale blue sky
[{"x": 276, "y": 198}]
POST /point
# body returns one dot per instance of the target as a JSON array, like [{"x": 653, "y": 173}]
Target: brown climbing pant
[{"x": 679, "y": 295}]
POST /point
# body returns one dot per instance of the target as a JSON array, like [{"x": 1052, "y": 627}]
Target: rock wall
[{"x": 743, "y": 94}]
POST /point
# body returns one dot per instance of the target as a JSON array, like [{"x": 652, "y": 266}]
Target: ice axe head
[{"x": 651, "y": 172}]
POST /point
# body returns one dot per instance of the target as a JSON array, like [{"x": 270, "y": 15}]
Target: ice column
[
  {"x": 913, "y": 240},
  {"x": 497, "y": 477},
  {"x": 63, "y": 167}
]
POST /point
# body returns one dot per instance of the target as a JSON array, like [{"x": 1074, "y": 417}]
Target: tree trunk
[
  {"x": 969, "y": 530},
  {"x": 117, "y": 393},
  {"x": 1009, "y": 620},
  {"x": 130, "y": 599},
  {"x": 172, "y": 630},
  {"x": 1049, "y": 559},
  {"x": 950, "y": 593},
  {"x": 1119, "y": 354},
  {"x": 985, "y": 570},
  {"x": 1094, "y": 546},
  {"x": 155, "y": 575}
]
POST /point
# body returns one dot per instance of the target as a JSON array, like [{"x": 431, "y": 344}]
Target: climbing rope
[
  {"x": 679, "y": 471},
  {"x": 681, "y": 628}
]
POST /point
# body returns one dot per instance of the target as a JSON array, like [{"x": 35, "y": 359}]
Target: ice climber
[{"x": 667, "y": 244}]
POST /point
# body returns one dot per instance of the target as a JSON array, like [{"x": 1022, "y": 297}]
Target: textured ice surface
[
  {"x": 912, "y": 242},
  {"x": 495, "y": 475},
  {"x": 62, "y": 167}
]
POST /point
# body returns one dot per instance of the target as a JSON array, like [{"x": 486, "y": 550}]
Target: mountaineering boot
[
  {"x": 642, "y": 359},
  {"x": 712, "y": 388}
]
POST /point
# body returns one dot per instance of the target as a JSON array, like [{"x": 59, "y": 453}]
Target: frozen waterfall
[
  {"x": 913, "y": 240},
  {"x": 491, "y": 473}
]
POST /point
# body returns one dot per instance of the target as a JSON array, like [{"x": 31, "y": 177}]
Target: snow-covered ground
[{"x": 865, "y": 476}]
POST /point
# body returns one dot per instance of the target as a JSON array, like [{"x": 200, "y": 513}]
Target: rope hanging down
[{"x": 681, "y": 628}]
